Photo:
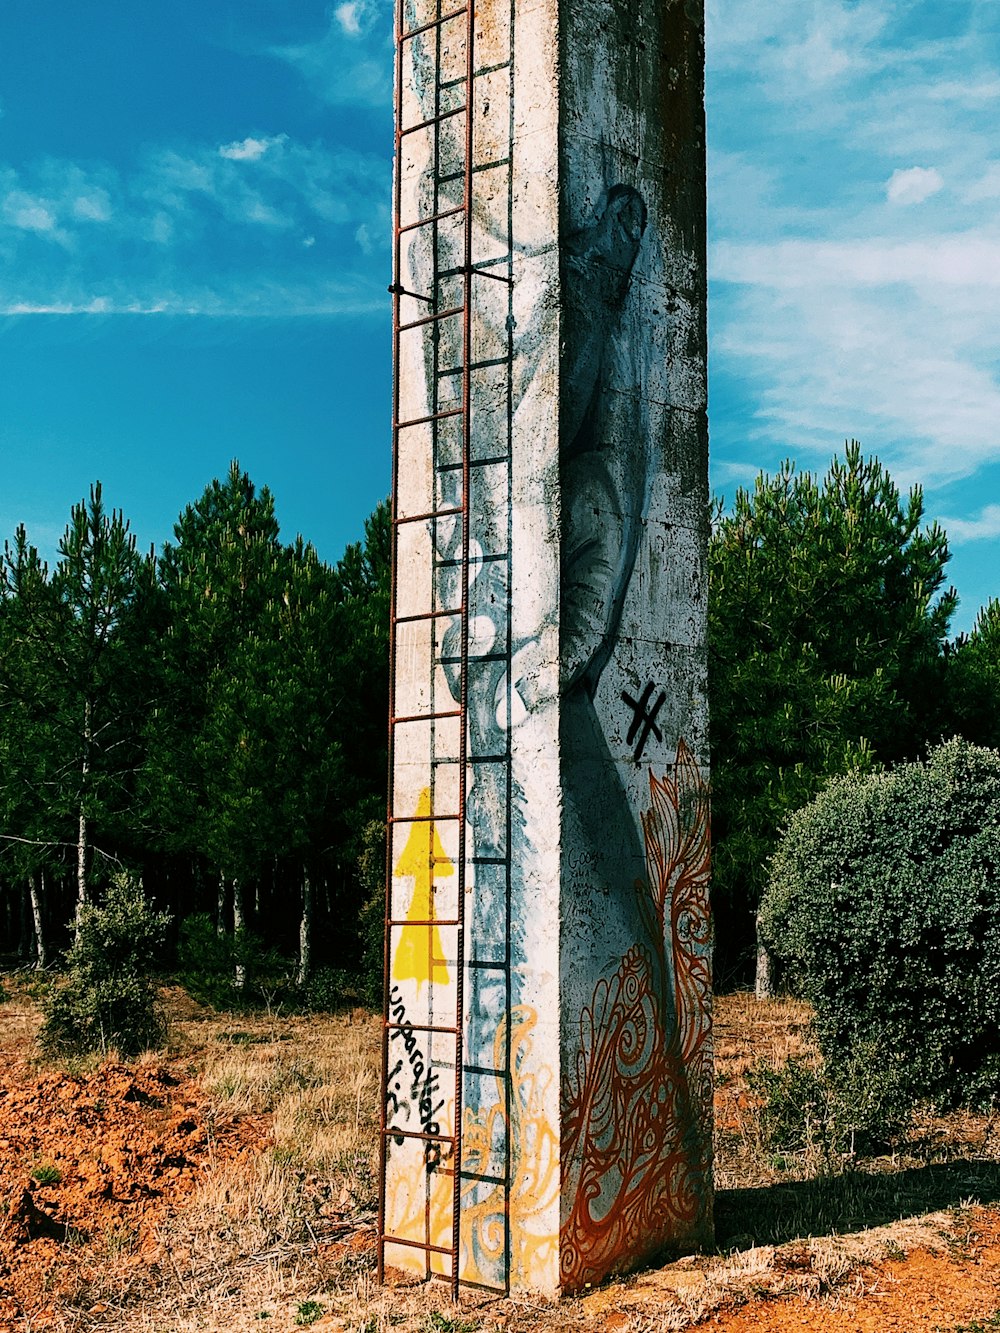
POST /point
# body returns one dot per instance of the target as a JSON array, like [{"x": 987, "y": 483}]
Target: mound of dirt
[{"x": 90, "y": 1164}]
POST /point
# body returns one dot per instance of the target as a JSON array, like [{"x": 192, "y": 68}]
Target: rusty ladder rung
[
  {"x": 422, "y": 1027},
  {"x": 433, "y": 23},
  {"x": 434, "y": 217},
  {"x": 425, "y": 717},
  {"x": 432, "y": 319},
  {"x": 423, "y": 819},
  {"x": 432, "y": 120},
  {"x": 428, "y": 921},
  {"x": 388, "y": 1239},
  {"x": 427, "y": 615},
  {"x": 451, "y": 512},
  {"x": 433, "y": 416},
  {"x": 488, "y": 461}
]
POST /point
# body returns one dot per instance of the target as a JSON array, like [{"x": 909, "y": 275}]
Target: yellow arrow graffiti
[{"x": 419, "y": 954}]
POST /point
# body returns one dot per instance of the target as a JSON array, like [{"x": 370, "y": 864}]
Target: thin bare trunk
[
  {"x": 764, "y": 982},
  {"x": 36, "y": 887},
  {"x": 239, "y": 922},
  {"x": 220, "y": 907},
  {"x": 25, "y": 932},
  {"x": 81, "y": 836},
  {"x": 305, "y": 930}
]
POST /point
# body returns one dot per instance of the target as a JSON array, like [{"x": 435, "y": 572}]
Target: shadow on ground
[{"x": 852, "y": 1201}]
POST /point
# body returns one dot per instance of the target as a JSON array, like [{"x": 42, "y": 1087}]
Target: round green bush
[
  {"x": 883, "y": 907},
  {"x": 108, "y": 998}
]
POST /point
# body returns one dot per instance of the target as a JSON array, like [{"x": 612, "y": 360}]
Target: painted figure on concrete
[{"x": 549, "y": 984}]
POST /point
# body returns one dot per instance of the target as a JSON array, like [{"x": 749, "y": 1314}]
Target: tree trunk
[
  {"x": 764, "y": 985},
  {"x": 81, "y": 836},
  {"x": 305, "y": 931},
  {"x": 239, "y": 924},
  {"x": 220, "y": 907},
  {"x": 36, "y": 887},
  {"x": 25, "y": 932}
]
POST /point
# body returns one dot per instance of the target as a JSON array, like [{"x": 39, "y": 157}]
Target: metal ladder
[{"x": 435, "y": 329}]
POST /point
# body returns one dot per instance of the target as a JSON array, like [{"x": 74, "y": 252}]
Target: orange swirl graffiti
[
  {"x": 637, "y": 1099},
  {"x": 419, "y": 1203}
]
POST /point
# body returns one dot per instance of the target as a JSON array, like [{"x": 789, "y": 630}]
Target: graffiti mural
[
  {"x": 524, "y": 1208},
  {"x": 548, "y": 1016},
  {"x": 470, "y": 351},
  {"x": 419, "y": 952},
  {"x": 635, "y": 930},
  {"x": 637, "y": 1096}
]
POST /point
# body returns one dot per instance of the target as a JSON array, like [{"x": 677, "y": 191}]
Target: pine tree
[{"x": 828, "y": 616}]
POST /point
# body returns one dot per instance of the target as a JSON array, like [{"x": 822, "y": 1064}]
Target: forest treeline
[{"x": 213, "y": 719}]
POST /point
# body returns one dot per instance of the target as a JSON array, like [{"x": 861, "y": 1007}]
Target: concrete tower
[{"x": 547, "y": 1039}]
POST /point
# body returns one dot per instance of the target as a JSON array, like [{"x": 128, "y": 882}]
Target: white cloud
[
  {"x": 92, "y": 206},
  {"x": 793, "y": 46},
  {"x": 833, "y": 315},
  {"x": 259, "y": 297},
  {"x": 351, "y": 63},
  {"x": 970, "y": 93},
  {"x": 348, "y": 15},
  {"x": 985, "y": 527},
  {"x": 970, "y": 259},
  {"x": 986, "y": 186},
  {"x": 29, "y": 213},
  {"x": 265, "y": 227},
  {"x": 249, "y": 150},
  {"x": 913, "y": 185},
  {"x": 729, "y": 470},
  {"x": 98, "y": 305},
  {"x": 851, "y": 340}
]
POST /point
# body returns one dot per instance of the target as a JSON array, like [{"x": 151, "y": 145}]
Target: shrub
[
  {"x": 109, "y": 999},
  {"x": 207, "y": 966},
  {"x": 371, "y": 923},
  {"x": 883, "y": 906},
  {"x": 326, "y": 990},
  {"x": 829, "y": 1114}
]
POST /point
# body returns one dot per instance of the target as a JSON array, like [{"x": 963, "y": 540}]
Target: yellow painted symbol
[{"x": 419, "y": 955}]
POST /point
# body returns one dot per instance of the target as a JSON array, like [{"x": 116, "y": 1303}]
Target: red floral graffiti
[{"x": 637, "y": 1103}]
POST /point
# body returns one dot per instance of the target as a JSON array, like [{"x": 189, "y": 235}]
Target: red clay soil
[
  {"x": 89, "y": 1164},
  {"x": 918, "y": 1293}
]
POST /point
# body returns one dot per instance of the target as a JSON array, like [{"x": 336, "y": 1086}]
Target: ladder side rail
[
  {"x": 470, "y": 69},
  {"x": 508, "y": 886},
  {"x": 397, "y": 188}
]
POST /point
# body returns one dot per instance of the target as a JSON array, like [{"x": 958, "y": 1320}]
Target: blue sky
[{"x": 194, "y": 254}]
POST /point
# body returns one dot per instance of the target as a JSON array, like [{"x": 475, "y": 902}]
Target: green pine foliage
[
  {"x": 974, "y": 679},
  {"x": 828, "y": 614},
  {"x": 214, "y": 719},
  {"x": 883, "y": 906},
  {"x": 108, "y": 999},
  {"x": 371, "y": 873}
]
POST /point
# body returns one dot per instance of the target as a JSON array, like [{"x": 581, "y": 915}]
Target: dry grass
[{"x": 283, "y": 1238}]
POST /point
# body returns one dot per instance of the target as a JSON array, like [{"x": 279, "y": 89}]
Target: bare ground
[{"x": 229, "y": 1184}]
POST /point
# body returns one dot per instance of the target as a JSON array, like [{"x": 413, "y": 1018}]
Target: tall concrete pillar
[{"x": 547, "y": 1037}]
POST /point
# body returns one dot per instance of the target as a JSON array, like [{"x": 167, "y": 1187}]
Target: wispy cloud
[
  {"x": 855, "y": 231},
  {"x": 912, "y": 185},
  {"x": 984, "y": 527},
  {"x": 249, "y": 149},
  {"x": 266, "y": 224},
  {"x": 351, "y": 62}
]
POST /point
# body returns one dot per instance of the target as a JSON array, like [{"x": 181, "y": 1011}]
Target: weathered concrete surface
[
  {"x": 585, "y": 1015},
  {"x": 634, "y": 984}
]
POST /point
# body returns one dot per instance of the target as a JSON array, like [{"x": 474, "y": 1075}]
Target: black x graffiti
[{"x": 644, "y": 720}]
